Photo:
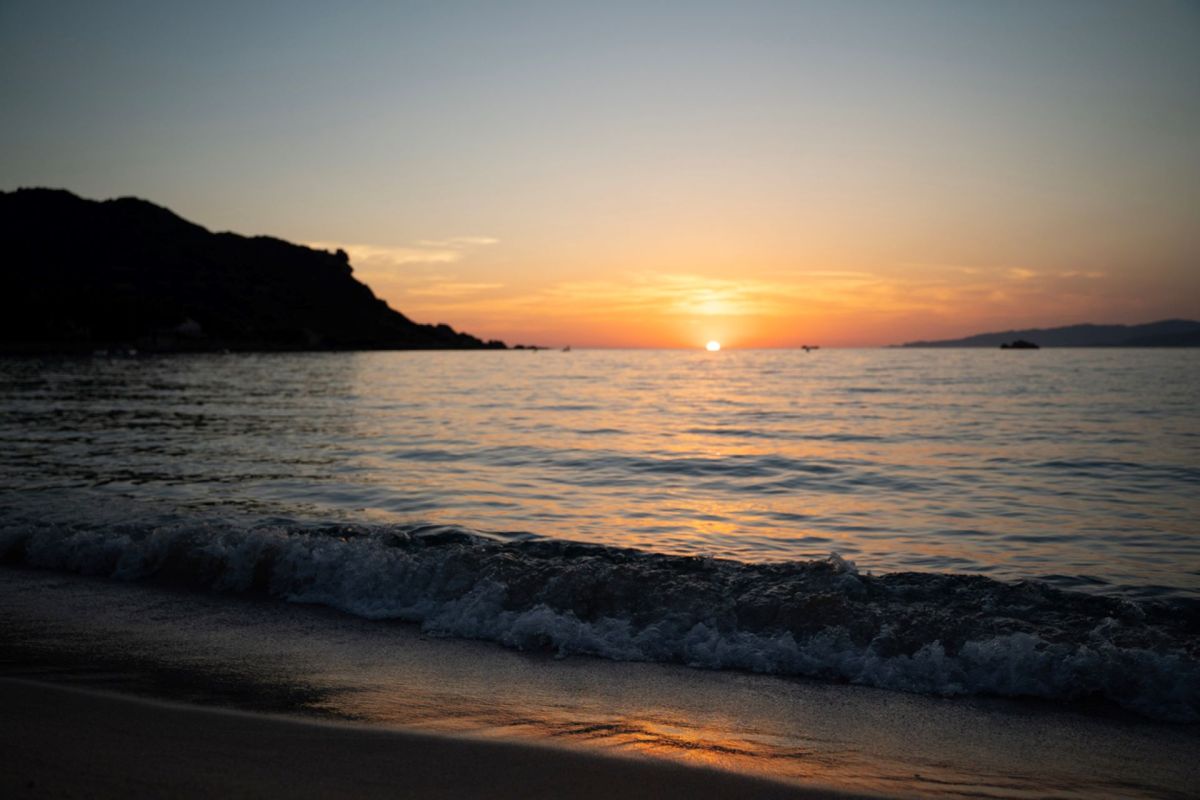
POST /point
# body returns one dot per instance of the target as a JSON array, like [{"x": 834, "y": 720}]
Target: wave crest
[{"x": 919, "y": 632}]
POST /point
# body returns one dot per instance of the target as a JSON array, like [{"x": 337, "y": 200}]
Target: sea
[{"x": 951, "y": 572}]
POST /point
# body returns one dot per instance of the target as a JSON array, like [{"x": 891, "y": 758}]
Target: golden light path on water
[{"x": 1055, "y": 464}]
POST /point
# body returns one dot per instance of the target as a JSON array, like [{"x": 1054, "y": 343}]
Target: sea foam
[{"x": 917, "y": 632}]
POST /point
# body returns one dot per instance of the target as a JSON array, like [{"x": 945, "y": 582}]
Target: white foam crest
[
  {"x": 460, "y": 590},
  {"x": 1012, "y": 665}
]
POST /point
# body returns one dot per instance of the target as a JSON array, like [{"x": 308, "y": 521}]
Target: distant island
[
  {"x": 1167, "y": 333},
  {"x": 81, "y": 275}
]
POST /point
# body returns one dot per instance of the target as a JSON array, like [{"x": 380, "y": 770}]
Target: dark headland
[
  {"x": 1167, "y": 333},
  {"x": 80, "y": 275}
]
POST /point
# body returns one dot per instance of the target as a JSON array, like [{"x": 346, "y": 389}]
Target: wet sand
[
  {"x": 481, "y": 715},
  {"x": 66, "y": 742}
]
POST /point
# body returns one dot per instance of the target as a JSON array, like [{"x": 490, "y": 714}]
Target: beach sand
[
  {"x": 66, "y": 742},
  {"x": 332, "y": 704}
]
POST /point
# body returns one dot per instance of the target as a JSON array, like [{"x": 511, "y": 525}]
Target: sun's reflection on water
[{"x": 899, "y": 460}]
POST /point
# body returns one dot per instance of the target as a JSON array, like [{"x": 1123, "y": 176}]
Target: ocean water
[{"x": 942, "y": 522}]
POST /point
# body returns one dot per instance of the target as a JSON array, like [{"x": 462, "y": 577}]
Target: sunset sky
[{"x": 652, "y": 173}]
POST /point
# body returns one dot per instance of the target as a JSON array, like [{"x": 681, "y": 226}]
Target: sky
[{"x": 652, "y": 174}]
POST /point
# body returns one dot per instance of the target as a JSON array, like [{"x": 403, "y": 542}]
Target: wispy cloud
[
  {"x": 653, "y": 294},
  {"x": 420, "y": 276},
  {"x": 373, "y": 258},
  {"x": 427, "y": 282},
  {"x": 459, "y": 242},
  {"x": 452, "y": 289}
]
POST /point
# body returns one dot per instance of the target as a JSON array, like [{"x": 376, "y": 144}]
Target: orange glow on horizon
[
  {"x": 845, "y": 175},
  {"x": 456, "y": 282}
]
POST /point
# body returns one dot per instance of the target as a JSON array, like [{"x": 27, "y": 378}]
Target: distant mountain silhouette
[
  {"x": 80, "y": 274},
  {"x": 1167, "y": 333}
]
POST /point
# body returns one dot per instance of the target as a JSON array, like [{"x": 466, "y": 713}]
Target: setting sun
[{"x": 713, "y": 346}]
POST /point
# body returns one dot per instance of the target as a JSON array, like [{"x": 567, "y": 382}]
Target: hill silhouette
[
  {"x": 81, "y": 274},
  {"x": 1167, "y": 333}
]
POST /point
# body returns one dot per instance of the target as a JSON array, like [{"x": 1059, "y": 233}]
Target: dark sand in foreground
[{"x": 63, "y": 742}]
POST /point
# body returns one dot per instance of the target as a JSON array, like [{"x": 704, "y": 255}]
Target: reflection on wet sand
[{"x": 283, "y": 657}]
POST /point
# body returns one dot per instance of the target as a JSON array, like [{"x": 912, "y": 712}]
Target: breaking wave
[{"x": 918, "y": 632}]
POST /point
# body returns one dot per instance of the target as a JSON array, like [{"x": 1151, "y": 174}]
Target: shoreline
[
  {"x": 67, "y": 741},
  {"x": 220, "y": 650}
]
